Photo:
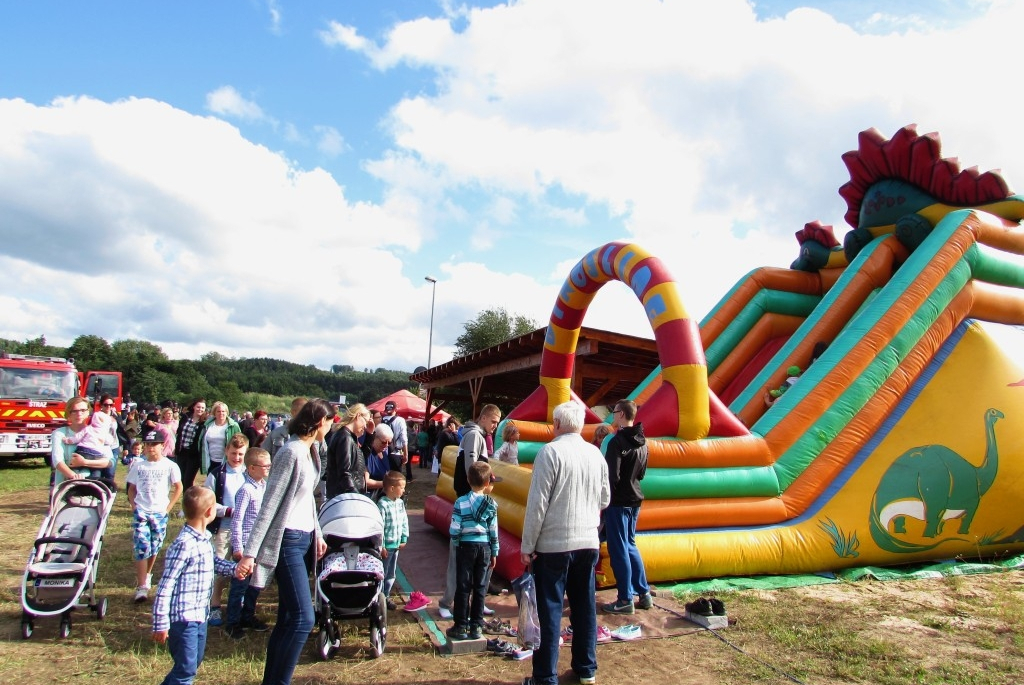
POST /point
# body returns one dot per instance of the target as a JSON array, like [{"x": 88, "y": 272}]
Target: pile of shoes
[
  {"x": 706, "y": 607},
  {"x": 495, "y": 626}
]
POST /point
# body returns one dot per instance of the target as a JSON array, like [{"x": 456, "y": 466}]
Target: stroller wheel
[
  {"x": 378, "y": 637},
  {"x": 26, "y": 629},
  {"x": 325, "y": 648},
  {"x": 65, "y": 627},
  {"x": 101, "y": 608},
  {"x": 379, "y": 627}
]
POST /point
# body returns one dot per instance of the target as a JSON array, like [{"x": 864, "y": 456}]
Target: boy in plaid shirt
[
  {"x": 242, "y": 596},
  {"x": 396, "y": 527},
  {"x": 474, "y": 530},
  {"x": 182, "y": 602}
]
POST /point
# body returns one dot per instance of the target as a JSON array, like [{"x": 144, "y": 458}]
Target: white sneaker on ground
[
  {"x": 445, "y": 613},
  {"x": 629, "y": 632},
  {"x": 488, "y": 611},
  {"x": 141, "y": 594}
]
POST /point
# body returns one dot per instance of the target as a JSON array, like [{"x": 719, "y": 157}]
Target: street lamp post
[{"x": 433, "y": 292}]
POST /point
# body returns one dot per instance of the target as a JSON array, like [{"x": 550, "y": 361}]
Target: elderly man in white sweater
[{"x": 568, "y": 489}]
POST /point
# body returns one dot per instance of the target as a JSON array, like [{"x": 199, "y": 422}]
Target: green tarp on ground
[{"x": 950, "y": 567}]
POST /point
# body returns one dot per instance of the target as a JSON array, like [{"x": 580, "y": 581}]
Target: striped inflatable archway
[{"x": 681, "y": 406}]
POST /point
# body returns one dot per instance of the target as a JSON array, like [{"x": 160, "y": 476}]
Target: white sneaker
[
  {"x": 141, "y": 594},
  {"x": 444, "y": 613},
  {"x": 488, "y": 611}
]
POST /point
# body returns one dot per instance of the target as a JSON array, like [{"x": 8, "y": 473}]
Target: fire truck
[{"x": 33, "y": 391}]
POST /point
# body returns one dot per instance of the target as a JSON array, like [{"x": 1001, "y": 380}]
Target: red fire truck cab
[{"x": 33, "y": 391}]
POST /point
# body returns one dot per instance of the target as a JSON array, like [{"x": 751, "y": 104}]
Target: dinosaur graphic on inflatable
[
  {"x": 932, "y": 484},
  {"x": 923, "y": 302}
]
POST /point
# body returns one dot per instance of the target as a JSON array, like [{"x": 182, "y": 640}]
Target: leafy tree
[
  {"x": 490, "y": 327},
  {"x": 137, "y": 360},
  {"x": 151, "y": 385},
  {"x": 230, "y": 394},
  {"x": 189, "y": 383},
  {"x": 91, "y": 353},
  {"x": 36, "y": 346}
]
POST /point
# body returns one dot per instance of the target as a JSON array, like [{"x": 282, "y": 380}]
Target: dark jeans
[
  {"x": 472, "y": 559},
  {"x": 242, "y": 597},
  {"x": 189, "y": 463},
  {"x": 295, "y": 617},
  {"x": 559, "y": 575},
  {"x": 628, "y": 567},
  {"x": 186, "y": 641}
]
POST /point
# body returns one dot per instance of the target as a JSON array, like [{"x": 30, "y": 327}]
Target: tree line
[{"x": 151, "y": 377}]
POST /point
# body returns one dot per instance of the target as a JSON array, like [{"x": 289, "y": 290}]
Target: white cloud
[
  {"x": 700, "y": 132},
  {"x": 227, "y": 101},
  {"x": 330, "y": 142},
  {"x": 274, "y": 9}
]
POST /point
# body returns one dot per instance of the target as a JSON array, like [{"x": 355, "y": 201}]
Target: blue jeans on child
[
  {"x": 390, "y": 570},
  {"x": 186, "y": 641},
  {"x": 559, "y": 575},
  {"x": 242, "y": 599},
  {"x": 295, "y": 617},
  {"x": 628, "y": 567}
]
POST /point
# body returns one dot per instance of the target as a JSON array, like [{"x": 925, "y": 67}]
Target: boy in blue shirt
[
  {"x": 396, "y": 527},
  {"x": 474, "y": 531},
  {"x": 182, "y": 602}
]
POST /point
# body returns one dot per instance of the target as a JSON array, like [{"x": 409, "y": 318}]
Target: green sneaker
[{"x": 618, "y": 607}]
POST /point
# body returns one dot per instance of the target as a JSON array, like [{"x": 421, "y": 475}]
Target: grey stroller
[
  {"x": 350, "y": 576},
  {"x": 61, "y": 571}
]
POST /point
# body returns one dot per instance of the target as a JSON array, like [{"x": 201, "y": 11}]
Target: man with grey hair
[
  {"x": 568, "y": 489},
  {"x": 375, "y": 455}
]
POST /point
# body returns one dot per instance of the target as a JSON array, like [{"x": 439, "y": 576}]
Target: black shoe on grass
[{"x": 700, "y": 607}]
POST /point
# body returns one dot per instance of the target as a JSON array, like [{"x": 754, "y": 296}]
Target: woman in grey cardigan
[{"x": 285, "y": 529}]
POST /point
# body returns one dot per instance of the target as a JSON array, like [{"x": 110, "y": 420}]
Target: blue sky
[{"x": 276, "y": 178}]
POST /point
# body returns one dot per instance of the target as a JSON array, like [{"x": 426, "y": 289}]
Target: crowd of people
[{"x": 253, "y": 518}]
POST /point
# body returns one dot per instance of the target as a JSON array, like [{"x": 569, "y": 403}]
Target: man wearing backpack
[
  {"x": 398, "y": 451},
  {"x": 472, "y": 448}
]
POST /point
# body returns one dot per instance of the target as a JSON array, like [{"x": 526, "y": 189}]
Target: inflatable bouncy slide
[{"x": 900, "y": 436}]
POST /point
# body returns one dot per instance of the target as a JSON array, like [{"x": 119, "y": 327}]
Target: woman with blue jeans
[{"x": 285, "y": 530}]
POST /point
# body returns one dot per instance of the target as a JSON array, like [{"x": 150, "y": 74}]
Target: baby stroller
[
  {"x": 350, "y": 576},
  {"x": 64, "y": 560}
]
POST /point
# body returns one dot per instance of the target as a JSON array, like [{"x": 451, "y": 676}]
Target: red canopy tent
[{"x": 408, "y": 406}]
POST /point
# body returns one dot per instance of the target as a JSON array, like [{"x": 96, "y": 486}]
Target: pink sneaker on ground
[
  {"x": 417, "y": 600},
  {"x": 603, "y": 634}
]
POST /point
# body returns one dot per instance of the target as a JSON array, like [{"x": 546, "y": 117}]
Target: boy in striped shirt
[
  {"x": 182, "y": 603},
  {"x": 474, "y": 531},
  {"x": 396, "y": 528},
  {"x": 242, "y": 596}
]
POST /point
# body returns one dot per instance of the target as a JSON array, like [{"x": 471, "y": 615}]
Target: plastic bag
[
  {"x": 435, "y": 466},
  {"x": 526, "y": 596}
]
